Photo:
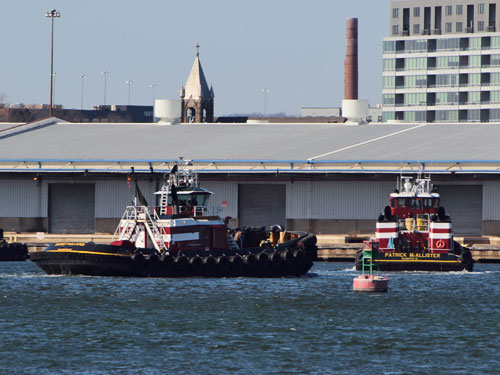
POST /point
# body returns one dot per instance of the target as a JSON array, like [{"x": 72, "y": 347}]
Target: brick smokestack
[{"x": 351, "y": 60}]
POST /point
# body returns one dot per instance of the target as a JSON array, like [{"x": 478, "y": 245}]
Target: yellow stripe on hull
[
  {"x": 85, "y": 252},
  {"x": 417, "y": 260}
]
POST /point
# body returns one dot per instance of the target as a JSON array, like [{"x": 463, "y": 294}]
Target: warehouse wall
[{"x": 321, "y": 206}]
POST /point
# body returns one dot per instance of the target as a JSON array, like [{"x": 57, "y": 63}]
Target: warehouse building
[{"x": 60, "y": 177}]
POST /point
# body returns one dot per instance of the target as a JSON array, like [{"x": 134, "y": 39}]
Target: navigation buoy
[{"x": 370, "y": 282}]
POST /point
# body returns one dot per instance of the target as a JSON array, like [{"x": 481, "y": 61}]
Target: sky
[{"x": 294, "y": 48}]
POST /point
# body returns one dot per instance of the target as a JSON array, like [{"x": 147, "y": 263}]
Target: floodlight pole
[
  {"x": 129, "y": 82},
  {"x": 153, "y": 86},
  {"x": 82, "y": 77},
  {"x": 52, "y": 14},
  {"x": 265, "y": 91},
  {"x": 105, "y": 74}
]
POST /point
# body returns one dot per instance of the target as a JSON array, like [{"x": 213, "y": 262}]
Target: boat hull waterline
[
  {"x": 397, "y": 261},
  {"x": 108, "y": 260}
]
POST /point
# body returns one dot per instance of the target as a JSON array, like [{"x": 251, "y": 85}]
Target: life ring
[{"x": 440, "y": 244}]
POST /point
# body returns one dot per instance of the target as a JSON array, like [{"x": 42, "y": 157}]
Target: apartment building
[{"x": 442, "y": 61}]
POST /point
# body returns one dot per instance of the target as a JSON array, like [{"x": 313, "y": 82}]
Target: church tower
[{"x": 197, "y": 100}]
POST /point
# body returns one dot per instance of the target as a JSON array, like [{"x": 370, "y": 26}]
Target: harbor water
[{"x": 428, "y": 323}]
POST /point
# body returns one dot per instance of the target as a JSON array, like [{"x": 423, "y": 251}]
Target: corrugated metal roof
[
  {"x": 255, "y": 143},
  {"x": 434, "y": 142}
]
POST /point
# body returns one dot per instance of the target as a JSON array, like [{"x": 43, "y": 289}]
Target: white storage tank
[{"x": 168, "y": 112}]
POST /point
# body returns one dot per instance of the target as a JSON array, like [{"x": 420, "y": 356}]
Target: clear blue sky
[{"x": 294, "y": 48}]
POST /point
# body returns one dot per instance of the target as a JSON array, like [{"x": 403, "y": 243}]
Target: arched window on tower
[
  {"x": 190, "y": 115},
  {"x": 204, "y": 118}
]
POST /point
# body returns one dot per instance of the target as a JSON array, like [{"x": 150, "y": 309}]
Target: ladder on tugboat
[
  {"x": 130, "y": 218},
  {"x": 154, "y": 231},
  {"x": 164, "y": 200}
]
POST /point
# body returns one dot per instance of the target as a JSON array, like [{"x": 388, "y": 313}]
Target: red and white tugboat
[
  {"x": 179, "y": 239},
  {"x": 415, "y": 234}
]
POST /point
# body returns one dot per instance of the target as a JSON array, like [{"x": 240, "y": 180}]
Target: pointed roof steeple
[{"x": 196, "y": 84}]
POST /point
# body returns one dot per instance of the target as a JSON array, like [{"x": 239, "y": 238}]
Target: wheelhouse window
[
  {"x": 194, "y": 199},
  {"x": 415, "y": 204},
  {"x": 402, "y": 202},
  {"x": 431, "y": 203}
]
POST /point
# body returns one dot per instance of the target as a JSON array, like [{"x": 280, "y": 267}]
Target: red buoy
[{"x": 370, "y": 283}]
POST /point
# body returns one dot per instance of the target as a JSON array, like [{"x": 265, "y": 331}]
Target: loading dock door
[
  {"x": 464, "y": 204},
  {"x": 71, "y": 208},
  {"x": 261, "y": 205}
]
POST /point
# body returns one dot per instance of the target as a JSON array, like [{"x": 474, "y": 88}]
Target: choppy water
[{"x": 428, "y": 323}]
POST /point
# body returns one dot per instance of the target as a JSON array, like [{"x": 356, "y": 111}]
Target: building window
[
  {"x": 480, "y": 26},
  {"x": 416, "y": 12},
  {"x": 459, "y": 10},
  {"x": 395, "y": 29},
  {"x": 474, "y": 79},
  {"x": 389, "y": 65},
  {"x": 416, "y": 63},
  {"x": 495, "y": 42},
  {"x": 475, "y": 61},
  {"x": 388, "y": 99},
  {"x": 395, "y": 13},
  {"x": 389, "y": 82},
  {"x": 474, "y": 97},
  {"x": 494, "y": 96},
  {"x": 474, "y": 43},
  {"x": 495, "y": 60},
  {"x": 480, "y": 8},
  {"x": 446, "y": 115},
  {"x": 494, "y": 114},
  {"x": 448, "y": 27},
  {"x": 458, "y": 27},
  {"x": 416, "y": 29},
  {"x": 443, "y": 62},
  {"x": 449, "y": 10},
  {"x": 388, "y": 116},
  {"x": 451, "y": 44},
  {"x": 389, "y": 46}
]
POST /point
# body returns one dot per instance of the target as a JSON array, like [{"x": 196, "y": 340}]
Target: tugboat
[
  {"x": 12, "y": 252},
  {"x": 415, "y": 234},
  {"x": 179, "y": 239}
]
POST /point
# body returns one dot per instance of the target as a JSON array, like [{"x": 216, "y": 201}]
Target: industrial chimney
[
  {"x": 355, "y": 110},
  {"x": 351, "y": 60}
]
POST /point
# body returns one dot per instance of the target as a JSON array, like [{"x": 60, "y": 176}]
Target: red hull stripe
[
  {"x": 386, "y": 230},
  {"x": 433, "y": 230}
]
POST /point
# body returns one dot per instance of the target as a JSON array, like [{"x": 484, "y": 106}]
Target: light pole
[
  {"x": 129, "y": 82},
  {"x": 52, "y": 14},
  {"x": 105, "y": 74},
  {"x": 82, "y": 77},
  {"x": 265, "y": 91},
  {"x": 153, "y": 86}
]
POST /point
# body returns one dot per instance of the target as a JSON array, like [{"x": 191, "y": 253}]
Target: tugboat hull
[
  {"x": 109, "y": 260},
  {"x": 442, "y": 262}
]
